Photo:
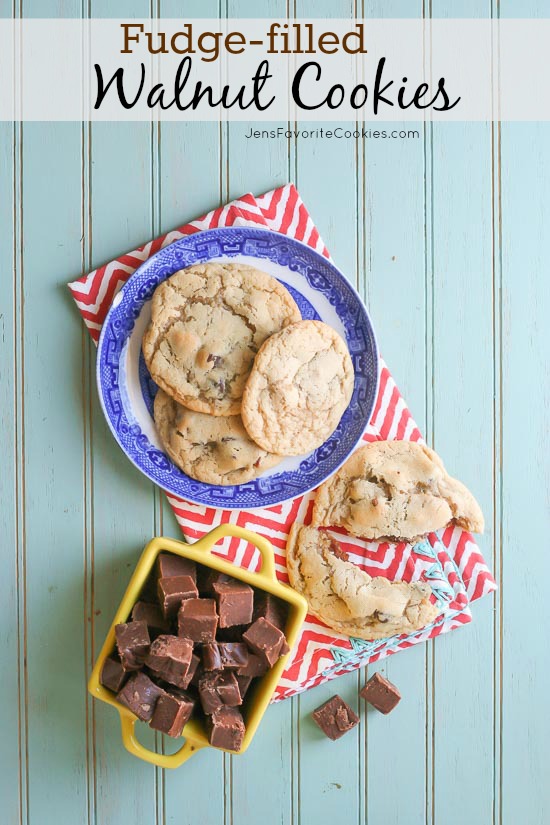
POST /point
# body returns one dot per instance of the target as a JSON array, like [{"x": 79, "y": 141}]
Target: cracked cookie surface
[
  {"x": 213, "y": 449},
  {"x": 395, "y": 489},
  {"x": 298, "y": 389},
  {"x": 208, "y": 322},
  {"x": 346, "y": 598}
]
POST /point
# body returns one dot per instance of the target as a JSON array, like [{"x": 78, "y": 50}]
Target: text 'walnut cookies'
[
  {"x": 208, "y": 322},
  {"x": 397, "y": 490},
  {"x": 213, "y": 449},
  {"x": 298, "y": 389},
  {"x": 347, "y": 599}
]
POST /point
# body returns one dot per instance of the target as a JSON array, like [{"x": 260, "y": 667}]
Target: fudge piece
[
  {"x": 243, "y": 683},
  {"x": 266, "y": 641},
  {"x": 191, "y": 676},
  {"x": 133, "y": 643},
  {"x": 113, "y": 674},
  {"x": 171, "y": 714},
  {"x": 206, "y": 578},
  {"x": 198, "y": 620},
  {"x": 152, "y": 615},
  {"x": 226, "y": 729},
  {"x": 267, "y": 606},
  {"x": 335, "y": 717},
  {"x": 140, "y": 695},
  {"x": 256, "y": 666},
  {"x": 380, "y": 693},
  {"x": 235, "y": 602},
  {"x": 224, "y": 655},
  {"x": 170, "y": 659},
  {"x": 217, "y": 689},
  {"x": 169, "y": 565},
  {"x": 172, "y": 591}
]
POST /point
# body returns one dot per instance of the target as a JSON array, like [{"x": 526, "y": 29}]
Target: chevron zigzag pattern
[{"x": 463, "y": 569}]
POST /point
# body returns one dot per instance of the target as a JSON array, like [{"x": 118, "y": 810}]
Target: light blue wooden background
[{"x": 447, "y": 237}]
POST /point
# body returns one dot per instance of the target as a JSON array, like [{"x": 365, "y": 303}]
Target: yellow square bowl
[{"x": 259, "y": 697}]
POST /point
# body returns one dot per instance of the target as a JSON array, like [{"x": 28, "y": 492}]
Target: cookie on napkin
[
  {"x": 346, "y": 598},
  {"x": 395, "y": 489}
]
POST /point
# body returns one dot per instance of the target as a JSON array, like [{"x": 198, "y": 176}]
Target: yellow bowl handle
[
  {"x": 267, "y": 569},
  {"x": 162, "y": 760}
]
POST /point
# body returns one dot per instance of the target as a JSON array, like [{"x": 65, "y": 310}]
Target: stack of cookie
[
  {"x": 243, "y": 380},
  {"x": 387, "y": 491}
]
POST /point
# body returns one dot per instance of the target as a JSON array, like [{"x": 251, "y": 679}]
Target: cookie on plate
[
  {"x": 208, "y": 322},
  {"x": 298, "y": 389},
  {"x": 346, "y": 598},
  {"x": 213, "y": 449},
  {"x": 395, "y": 489}
]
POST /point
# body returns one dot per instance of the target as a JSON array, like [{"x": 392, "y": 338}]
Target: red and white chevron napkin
[{"x": 451, "y": 562}]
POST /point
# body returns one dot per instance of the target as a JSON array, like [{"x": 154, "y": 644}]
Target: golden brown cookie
[
  {"x": 213, "y": 449},
  {"x": 208, "y": 322},
  {"x": 395, "y": 489},
  {"x": 298, "y": 389},
  {"x": 346, "y": 598}
]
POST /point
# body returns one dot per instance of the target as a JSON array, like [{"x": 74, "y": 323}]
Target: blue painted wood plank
[
  {"x": 525, "y": 445},
  {"x": 462, "y": 273},
  {"x": 53, "y": 477},
  {"x": 12, "y": 785},
  {"x": 462, "y": 214},
  {"x": 122, "y": 505}
]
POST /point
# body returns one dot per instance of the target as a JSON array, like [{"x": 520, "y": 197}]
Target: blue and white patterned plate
[{"x": 127, "y": 391}]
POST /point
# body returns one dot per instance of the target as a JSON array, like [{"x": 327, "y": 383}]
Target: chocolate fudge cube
[
  {"x": 140, "y": 695},
  {"x": 224, "y": 655},
  {"x": 256, "y": 666},
  {"x": 217, "y": 689},
  {"x": 206, "y": 578},
  {"x": 226, "y": 729},
  {"x": 133, "y": 643},
  {"x": 266, "y": 641},
  {"x": 152, "y": 615},
  {"x": 113, "y": 674},
  {"x": 381, "y": 693},
  {"x": 198, "y": 620},
  {"x": 172, "y": 591},
  {"x": 170, "y": 565},
  {"x": 170, "y": 658},
  {"x": 335, "y": 717},
  {"x": 267, "y": 606},
  {"x": 172, "y": 713},
  {"x": 235, "y": 602}
]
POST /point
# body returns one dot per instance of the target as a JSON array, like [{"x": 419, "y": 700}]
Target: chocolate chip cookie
[
  {"x": 395, "y": 489},
  {"x": 346, "y": 598},
  {"x": 213, "y": 449},
  {"x": 208, "y": 322},
  {"x": 298, "y": 389}
]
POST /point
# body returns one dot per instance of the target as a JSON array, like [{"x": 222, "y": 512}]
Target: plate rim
[{"x": 223, "y": 505}]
